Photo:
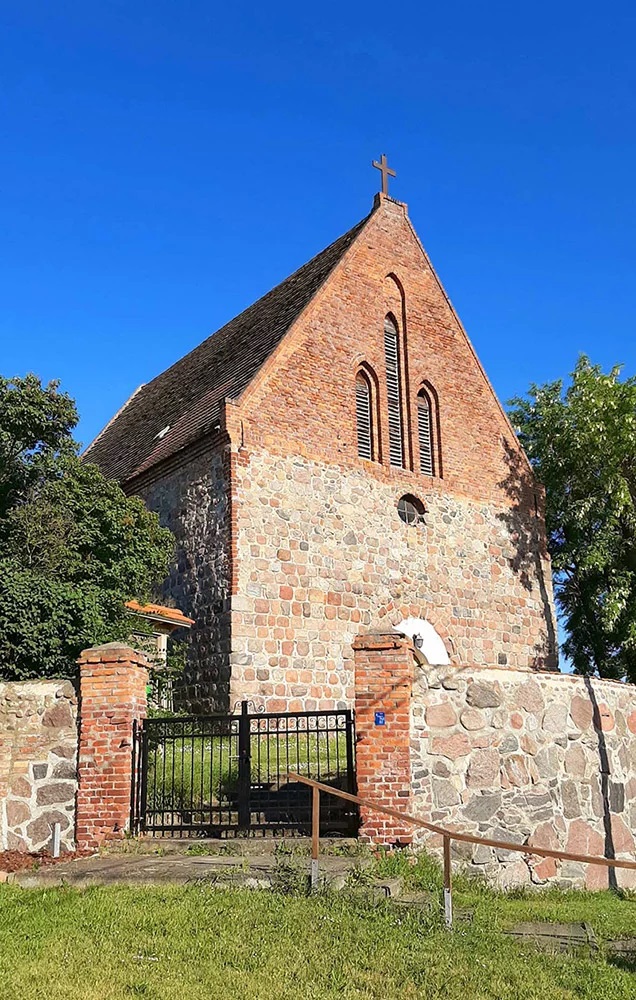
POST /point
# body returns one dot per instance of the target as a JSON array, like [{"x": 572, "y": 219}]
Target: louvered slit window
[
  {"x": 363, "y": 414},
  {"x": 425, "y": 434},
  {"x": 394, "y": 393}
]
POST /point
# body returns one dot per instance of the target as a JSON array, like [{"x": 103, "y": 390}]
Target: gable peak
[{"x": 386, "y": 202}]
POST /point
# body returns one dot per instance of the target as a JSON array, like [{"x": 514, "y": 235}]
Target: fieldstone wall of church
[
  {"x": 38, "y": 763},
  {"x": 544, "y": 759},
  {"x": 193, "y": 501},
  {"x": 322, "y": 555}
]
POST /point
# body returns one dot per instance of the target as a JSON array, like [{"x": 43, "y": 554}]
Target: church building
[{"x": 334, "y": 461}]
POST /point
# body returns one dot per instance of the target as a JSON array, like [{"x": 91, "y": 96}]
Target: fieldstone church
[{"x": 334, "y": 461}]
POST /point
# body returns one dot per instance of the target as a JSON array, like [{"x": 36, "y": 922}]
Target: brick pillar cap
[
  {"x": 382, "y": 640},
  {"x": 120, "y": 651}
]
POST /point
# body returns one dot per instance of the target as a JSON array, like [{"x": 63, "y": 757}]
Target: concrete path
[{"x": 257, "y": 866}]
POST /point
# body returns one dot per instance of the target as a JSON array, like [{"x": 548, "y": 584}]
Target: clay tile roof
[
  {"x": 187, "y": 397},
  {"x": 158, "y": 611}
]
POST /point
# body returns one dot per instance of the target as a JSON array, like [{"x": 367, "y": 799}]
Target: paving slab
[
  {"x": 180, "y": 869},
  {"x": 555, "y": 937}
]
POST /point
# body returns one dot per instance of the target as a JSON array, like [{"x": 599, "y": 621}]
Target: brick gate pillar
[
  {"x": 113, "y": 681},
  {"x": 383, "y": 682}
]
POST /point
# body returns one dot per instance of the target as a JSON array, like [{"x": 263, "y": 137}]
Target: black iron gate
[{"x": 215, "y": 775}]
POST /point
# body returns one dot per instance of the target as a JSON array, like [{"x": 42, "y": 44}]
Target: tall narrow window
[
  {"x": 424, "y": 428},
  {"x": 363, "y": 414},
  {"x": 393, "y": 392}
]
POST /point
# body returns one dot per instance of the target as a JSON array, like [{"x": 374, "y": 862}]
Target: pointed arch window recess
[
  {"x": 425, "y": 434},
  {"x": 393, "y": 392},
  {"x": 363, "y": 416}
]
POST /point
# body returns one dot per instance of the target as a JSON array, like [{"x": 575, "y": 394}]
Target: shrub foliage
[{"x": 73, "y": 547}]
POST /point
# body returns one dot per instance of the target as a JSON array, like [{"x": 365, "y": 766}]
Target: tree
[
  {"x": 36, "y": 427},
  {"x": 73, "y": 547},
  {"x": 581, "y": 441}
]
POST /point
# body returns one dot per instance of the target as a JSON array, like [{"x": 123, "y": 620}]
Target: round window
[{"x": 411, "y": 510}]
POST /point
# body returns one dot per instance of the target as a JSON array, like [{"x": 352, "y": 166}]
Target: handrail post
[
  {"x": 448, "y": 883},
  {"x": 315, "y": 835}
]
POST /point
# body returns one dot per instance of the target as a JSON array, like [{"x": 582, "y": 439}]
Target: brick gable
[{"x": 304, "y": 396}]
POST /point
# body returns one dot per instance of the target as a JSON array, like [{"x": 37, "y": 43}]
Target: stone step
[
  {"x": 345, "y": 846},
  {"x": 555, "y": 937},
  {"x": 390, "y": 887},
  {"x": 150, "y": 869},
  {"x": 623, "y": 951},
  {"x": 427, "y": 901}
]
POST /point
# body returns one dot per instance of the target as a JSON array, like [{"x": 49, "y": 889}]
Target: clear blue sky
[{"x": 164, "y": 164}]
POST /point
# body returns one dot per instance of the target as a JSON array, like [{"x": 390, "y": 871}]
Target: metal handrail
[{"x": 447, "y": 835}]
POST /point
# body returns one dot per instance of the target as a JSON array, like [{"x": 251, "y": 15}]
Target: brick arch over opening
[
  {"x": 395, "y": 308},
  {"x": 363, "y": 370},
  {"x": 426, "y": 390},
  {"x": 395, "y": 297}
]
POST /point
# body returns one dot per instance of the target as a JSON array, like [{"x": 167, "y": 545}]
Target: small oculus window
[{"x": 411, "y": 510}]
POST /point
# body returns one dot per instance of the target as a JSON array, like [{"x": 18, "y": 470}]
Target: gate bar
[
  {"x": 244, "y": 767},
  {"x": 134, "y": 784}
]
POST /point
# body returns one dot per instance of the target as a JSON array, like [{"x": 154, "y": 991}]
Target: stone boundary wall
[
  {"x": 521, "y": 756},
  {"x": 38, "y": 763}
]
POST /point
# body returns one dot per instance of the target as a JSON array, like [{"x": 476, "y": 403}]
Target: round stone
[
  {"x": 483, "y": 695},
  {"x": 472, "y": 719},
  {"x": 555, "y": 718},
  {"x": 441, "y": 716},
  {"x": 581, "y": 712},
  {"x": 483, "y": 770}
]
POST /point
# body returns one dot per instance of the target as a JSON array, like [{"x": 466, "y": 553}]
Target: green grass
[
  {"x": 195, "y": 942},
  {"x": 197, "y": 773}
]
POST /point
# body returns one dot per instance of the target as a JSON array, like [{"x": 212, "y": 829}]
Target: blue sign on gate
[{"x": 380, "y": 719}]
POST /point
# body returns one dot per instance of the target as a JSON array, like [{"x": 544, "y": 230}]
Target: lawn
[{"x": 196, "y": 942}]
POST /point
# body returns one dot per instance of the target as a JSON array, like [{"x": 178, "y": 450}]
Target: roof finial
[{"x": 385, "y": 170}]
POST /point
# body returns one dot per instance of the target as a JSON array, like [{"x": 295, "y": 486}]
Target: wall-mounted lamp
[{"x": 418, "y": 640}]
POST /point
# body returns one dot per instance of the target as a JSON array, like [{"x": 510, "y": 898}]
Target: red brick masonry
[
  {"x": 383, "y": 682},
  {"x": 113, "y": 681}
]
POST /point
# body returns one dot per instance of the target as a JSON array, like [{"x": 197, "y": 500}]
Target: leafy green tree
[
  {"x": 36, "y": 425},
  {"x": 73, "y": 547},
  {"x": 581, "y": 440}
]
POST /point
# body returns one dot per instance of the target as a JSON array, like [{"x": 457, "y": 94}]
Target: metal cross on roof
[{"x": 385, "y": 170}]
